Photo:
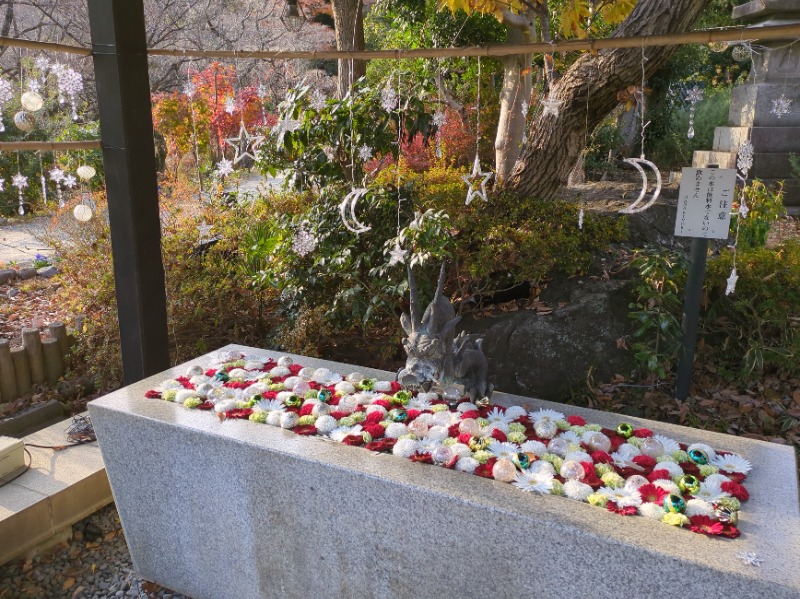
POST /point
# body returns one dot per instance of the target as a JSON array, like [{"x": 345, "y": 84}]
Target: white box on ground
[
  {"x": 705, "y": 202},
  {"x": 11, "y": 455}
]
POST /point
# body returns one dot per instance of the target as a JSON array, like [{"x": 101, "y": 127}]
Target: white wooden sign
[{"x": 705, "y": 203}]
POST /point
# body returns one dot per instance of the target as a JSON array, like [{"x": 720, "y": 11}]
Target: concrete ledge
[
  {"x": 239, "y": 510},
  {"x": 60, "y": 488},
  {"x": 32, "y": 419}
]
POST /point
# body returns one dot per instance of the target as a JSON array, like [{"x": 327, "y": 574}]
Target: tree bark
[
  {"x": 348, "y": 19},
  {"x": 555, "y": 142}
]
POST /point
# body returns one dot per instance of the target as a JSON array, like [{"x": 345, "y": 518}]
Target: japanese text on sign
[{"x": 705, "y": 203}]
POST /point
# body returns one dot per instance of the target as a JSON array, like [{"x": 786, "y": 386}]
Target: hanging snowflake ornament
[
  {"x": 781, "y": 106},
  {"x": 477, "y": 181},
  {"x": 551, "y": 106},
  {"x": 580, "y": 219},
  {"x": 397, "y": 255},
  {"x": 245, "y": 145},
  {"x": 70, "y": 181},
  {"x": 744, "y": 162},
  {"x": 20, "y": 181},
  {"x": 439, "y": 118},
  {"x": 6, "y": 93},
  {"x": 317, "y": 100},
  {"x": 224, "y": 168},
  {"x": 2, "y": 184},
  {"x": 57, "y": 176},
  {"x": 304, "y": 242},
  {"x": 70, "y": 84},
  {"x": 525, "y": 108},
  {"x": 731, "y": 282},
  {"x": 693, "y": 96},
  {"x": 189, "y": 89},
  {"x": 365, "y": 153},
  {"x": 285, "y": 125},
  {"x": 389, "y": 99},
  {"x": 230, "y": 104}
]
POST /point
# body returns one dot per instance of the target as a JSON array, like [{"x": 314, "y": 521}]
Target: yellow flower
[{"x": 675, "y": 519}]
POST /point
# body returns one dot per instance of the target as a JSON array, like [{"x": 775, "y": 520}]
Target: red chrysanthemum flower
[
  {"x": 484, "y": 470},
  {"x": 625, "y": 511},
  {"x": 236, "y": 384},
  {"x": 453, "y": 431},
  {"x": 645, "y": 461},
  {"x": 210, "y": 372},
  {"x": 152, "y": 394},
  {"x": 270, "y": 395},
  {"x": 499, "y": 435},
  {"x": 706, "y": 526},
  {"x": 736, "y": 477},
  {"x": 659, "y": 474},
  {"x": 588, "y": 469},
  {"x": 425, "y": 458},
  {"x": 690, "y": 468},
  {"x": 395, "y": 387},
  {"x": 471, "y": 414},
  {"x": 730, "y": 531},
  {"x": 376, "y": 430},
  {"x": 642, "y": 433},
  {"x": 185, "y": 382},
  {"x": 576, "y": 421},
  {"x": 353, "y": 440},
  {"x": 412, "y": 414},
  {"x": 381, "y": 445},
  {"x": 295, "y": 368},
  {"x": 243, "y": 414},
  {"x": 524, "y": 420},
  {"x": 464, "y": 438},
  {"x": 373, "y": 418},
  {"x": 601, "y": 457},
  {"x": 305, "y": 429},
  {"x": 384, "y": 403},
  {"x": 206, "y": 405},
  {"x": 652, "y": 494},
  {"x": 306, "y": 409},
  {"x": 339, "y": 415},
  {"x": 737, "y": 490}
]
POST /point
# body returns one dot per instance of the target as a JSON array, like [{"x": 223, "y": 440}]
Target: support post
[
  {"x": 126, "y": 124},
  {"x": 691, "y": 315}
]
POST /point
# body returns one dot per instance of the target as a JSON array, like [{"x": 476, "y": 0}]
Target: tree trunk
[
  {"x": 348, "y": 19},
  {"x": 516, "y": 91},
  {"x": 555, "y": 142}
]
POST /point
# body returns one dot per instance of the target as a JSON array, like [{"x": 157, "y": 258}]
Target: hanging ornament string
[
  {"x": 589, "y": 81},
  {"x": 477, "y": 179},
  {"x": 20, "y": 181},
  {"x": 398, "y": 254},
  {"x": 783, "y": 105},
  {"x": 42, "y": 179},
  {"x": 694, "y": 96},
  {"x": 641, "y": 162},
  {"x": 189, "y": 91},
  {"x": 57, "y": 176}
]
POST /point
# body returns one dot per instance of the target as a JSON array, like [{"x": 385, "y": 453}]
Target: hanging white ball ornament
[
  {"x": 82, "y": 213},
  {"x": 86, "y": 172},
  {"x": 32, "y": 101},
  {"x": 24, "y": 121}
]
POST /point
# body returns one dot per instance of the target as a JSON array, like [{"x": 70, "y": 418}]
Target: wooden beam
[
  {"x": 53, "y": 146},
  {"x": 126, "y": 127}
]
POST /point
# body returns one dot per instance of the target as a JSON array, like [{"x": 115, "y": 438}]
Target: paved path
[{"x": 20, "y": 241}]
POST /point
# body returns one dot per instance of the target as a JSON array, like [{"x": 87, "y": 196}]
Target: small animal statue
[
  {"x": 471, "y": 367},
  {"x": 429, "y": 344}
]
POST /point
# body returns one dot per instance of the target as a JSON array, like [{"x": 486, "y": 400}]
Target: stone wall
[{"x": 35, "y": 361}]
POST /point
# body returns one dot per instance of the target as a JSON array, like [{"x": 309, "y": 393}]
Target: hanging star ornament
[
  {"x": 246, "y": 145},
  {"x": 285, "y": 125},
  {"x": 397, "y": 255},
  {"x": 475, "y": 178},
  {"x": 781, "y": 106},
  {"x": 551, "y": 106},
  {"x": 205, "y": 232},
  {"x": 439, "y": 118},
  {"x": 731, "y": 282},
  {"x": 365, "y": 153}
]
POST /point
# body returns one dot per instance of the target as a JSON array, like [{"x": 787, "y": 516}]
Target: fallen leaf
[
  {"x": 92, "y": 545},
  {"x": 78, "y": 591},
  {"x": 110, "y": 535},
  {"x": 68, "y": 583},
  {"x": 27, "y": 566}
]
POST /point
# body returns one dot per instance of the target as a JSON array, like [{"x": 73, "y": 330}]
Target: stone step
[
  {"x": 751, "y": 105},
  {"x": 772, "y": 139},
  {"x": 703, "y": 158}
]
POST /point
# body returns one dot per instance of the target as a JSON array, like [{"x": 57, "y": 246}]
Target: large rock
[
  {"x": 6, "y": 275},
  {"x": 26, "y": 273},
  {"x": 47, "y": 271},
  {"x": 544, "y": 355}
]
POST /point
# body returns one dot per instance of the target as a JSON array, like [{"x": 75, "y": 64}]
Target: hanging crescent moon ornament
[
  {"x": 637, "y": 164},
  {"x": 347, "y": 210}
]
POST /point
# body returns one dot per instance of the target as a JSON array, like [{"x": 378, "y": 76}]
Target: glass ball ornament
[
  {"x": 521, "y": 460},
  {"x": 545, "y": 429},
  {"x": 674, "y": 504},
  {"x": 652, "y": 447},
  {"x": 441, "y": 454},
  {"x": 688, "y": 483},
  {"x": 366, "y": 384},
  {"x": 625, "y": 430},
  {"x": 86, "y": 172},
  {"x": 634, "y": 482},
  {"x": 469, "y": 426},
  {"x": 324, "y": 395},
  {"x": 293, "y": 401},
  {"x": 24, "y": 121},
  {"x": 321, "y": 409},
  {"x": 741, "y": 53},
  {"x": 284, "y": 361},
  {"x": 451, "y": 394},
  {"x": 204, "y": 389},
  {"x": 558, "y": 446},
  {"x": 301, "y": 388},
  {"x": 572, "y": 470},
  {"x": 419, "y": 428},
  {"x": 398, "y": 415},
  {"x": 504, "y": 470},
  {"x": 355, "y": 377},
  {"x": 598, "y": 442},
  {"x": 306, "y": 373},
  {"x": 82, "y": 213},
  {"x": 698, "y": 456},
  {"x": 32, "y": 101},
  {"x": 727, "y": 516},
  {"x": 479, "y": 443}
]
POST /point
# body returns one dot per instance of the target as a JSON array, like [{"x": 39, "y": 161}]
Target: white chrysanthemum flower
[
  {"x": 571, "y": 437},
  {"x": 500, "y": 426},
  {"x": 274, "y": 417},
  {"x": 711, "y": 492},
  {"x": 268, "y": 405},
  {"x": 503, "y": 450},
  {"x": 345, "y": 388},
  {"x": 417, "y": 403},
  {"x": 652, "y": 510},
  {"x": 673, "y": 468},
  {"x": 543, "y": 414},
  {"x": 446, "y": 418},
  {"x": 184, "y": 394},
  {"x": 466, "y": 407},
  {"x": 537, "y": 448},
  {"x": 289, "y": 420},
  {"x": 578, "y": 456},
  {"x": 365, "y": 398},
  {"x": 699, "y": 507},
  {"x": 280, "y": 371},
  {"x": 498, "y": 416},
  {"x": 426, "y": 418},
  {"x": 515, "y": 412},
  {"x": 668, "y": 486},
  {"x": 622, "y": 496},
  {"x": 284, "y": 395},
  {"x": 405, "y": 448},
  {"x": 306, "y": 373},
  {"x": 168, "y": 385},
  {"x": 437, "y": 433},
  {"x": 382, "y": 387},
  {"x": 427, "y": 445},
  {"x": 290, "y": 381},
  {"x": 253, "y": 364},
  {"x": 707, "y": 449},
  {"x": 427, "y": 396},
  {"x": 375, "y": 408},
  {"x": 224, "y": 405},
  {"x": 542, "y": 466},
  {"x": 340, "y": 432},
  {"x": 731, "y": 463},
  {"x": 539, "y": 481},
  {"x": 325, "y": 424},
  {"x": 255, "y": 389},
  {"x": 199, "y": 379},
  {"x": 624, "y": 455},
  {"x": 466, "y": 464},
  {"x": 716, "y": 479},
  {"x": 461, "y": 450},
  {"x": 574, "y": 489},
  {"x": 348, "y": 405},
  {"x": 396, "y": 429}
]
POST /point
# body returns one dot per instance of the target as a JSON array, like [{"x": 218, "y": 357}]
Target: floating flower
[
  {"x": 539, "y": 481},
  {"x": 503, "y": 450},
  {"x": 543, "y": 414},
  {"x": 731, "y": 463}
]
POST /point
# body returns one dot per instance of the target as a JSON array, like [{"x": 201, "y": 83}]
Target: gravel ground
[{"x": 94, "y": 564}]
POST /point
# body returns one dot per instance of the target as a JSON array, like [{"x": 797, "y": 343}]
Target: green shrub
[{"x": 765, "y": 207}]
